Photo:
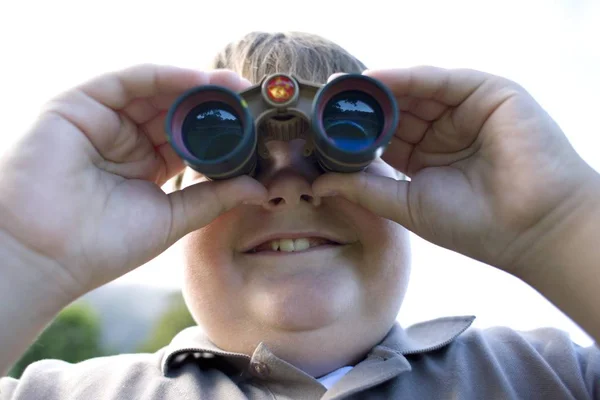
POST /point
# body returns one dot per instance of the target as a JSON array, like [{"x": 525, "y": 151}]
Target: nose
[{"x": 288, "y": 176}]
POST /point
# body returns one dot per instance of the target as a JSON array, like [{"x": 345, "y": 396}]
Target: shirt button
[{"x": 261, "y": 369}]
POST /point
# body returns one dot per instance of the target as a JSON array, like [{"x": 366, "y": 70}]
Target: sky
[{"x": 549, "y": 47}]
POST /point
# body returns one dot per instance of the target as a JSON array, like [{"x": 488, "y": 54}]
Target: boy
[{"x": 492, "y": 177}]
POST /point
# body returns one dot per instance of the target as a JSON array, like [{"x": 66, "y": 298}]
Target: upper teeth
[{"x": 290, "y": 244}]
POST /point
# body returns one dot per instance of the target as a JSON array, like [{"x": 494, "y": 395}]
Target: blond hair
[{"x": 307, "y": 56}]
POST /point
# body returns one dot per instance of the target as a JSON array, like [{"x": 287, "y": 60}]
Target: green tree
[
  {"x": 176, "y": 318},
  {"x": 73, "y": 336}
]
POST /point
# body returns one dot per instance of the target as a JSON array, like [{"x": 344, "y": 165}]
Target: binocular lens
[
  {"x": 352, "y": 120},
  {"x": 212, "y": 130}
]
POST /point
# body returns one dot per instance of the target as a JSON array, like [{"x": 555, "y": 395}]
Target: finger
[
  {"x": 172, "y": 162},
  {"x": 411, "y": 129},
  {"x": 229, "y": 79},
  {"x": 151, "y": 113},
  {"x": 155, "y": 129},
  {"x": 431, "y": 97},
  {"x": 381, "y": 195},
  {"x": 93, "y": 107},
  {"x": 425, "y": 109},
  {"x": 449, "y": 87},
  {"x": 197, "y": 205},
  {"x": 397, "y": 155},
  {"x": 449, "y": 107},
  {"x": 116, "y": 90},
  {"x": 142, "y": 109},
  {"x": 409, "y": 133}
]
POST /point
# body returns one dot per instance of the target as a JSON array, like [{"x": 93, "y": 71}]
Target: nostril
[{"x": 276, "y": 201}]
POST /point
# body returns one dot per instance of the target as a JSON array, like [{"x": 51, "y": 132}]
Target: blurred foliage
[
  {"x": 73, "y": 336},
  {"x": 176, "y": 318}
]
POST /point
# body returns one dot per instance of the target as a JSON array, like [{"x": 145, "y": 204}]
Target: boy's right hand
[{"x": 81, "y": 190}]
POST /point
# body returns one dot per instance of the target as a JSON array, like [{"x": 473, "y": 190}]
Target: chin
[{"x": 305, "y": 301}]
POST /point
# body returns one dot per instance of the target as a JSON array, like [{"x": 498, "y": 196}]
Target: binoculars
[{"x": 345, "y": 124}]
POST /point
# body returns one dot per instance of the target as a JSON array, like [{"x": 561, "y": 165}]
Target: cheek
[
  {"x": 378, "y": 236},
  {"x": 385, "y": 255},
  {"x": 387, "y": 243},
  {"x": 207, "y": 256},
  {"x": 386, "y": 246},
  {"x": 388, "y": 281}
]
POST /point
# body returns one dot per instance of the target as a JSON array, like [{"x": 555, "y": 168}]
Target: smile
[{"x": 292, "y": 245}]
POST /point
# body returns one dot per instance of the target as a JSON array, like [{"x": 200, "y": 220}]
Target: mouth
[{"x": 297, "y": 244}]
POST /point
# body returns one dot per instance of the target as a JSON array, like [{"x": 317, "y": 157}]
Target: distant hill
[{"x": 127, "y": 312}]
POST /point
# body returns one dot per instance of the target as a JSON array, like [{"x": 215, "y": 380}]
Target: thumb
[
  {"x": 198, "y": 205},
  {"x": 386, "y": 197}
]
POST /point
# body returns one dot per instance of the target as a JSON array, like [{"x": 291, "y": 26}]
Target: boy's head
[{"x": 318, "y": 309}]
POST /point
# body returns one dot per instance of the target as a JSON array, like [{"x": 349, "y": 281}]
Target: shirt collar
[{"x": 192, "y": 343}]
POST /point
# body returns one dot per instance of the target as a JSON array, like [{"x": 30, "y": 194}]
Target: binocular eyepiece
[{"x": 345, "y": 124}]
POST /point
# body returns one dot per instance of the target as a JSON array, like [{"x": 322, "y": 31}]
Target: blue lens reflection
[
  {"x": 212, "y": 130},
  {"x": 352, "y": 120}
]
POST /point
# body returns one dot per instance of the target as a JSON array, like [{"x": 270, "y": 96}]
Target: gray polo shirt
[{"x": 439, "y": 359}]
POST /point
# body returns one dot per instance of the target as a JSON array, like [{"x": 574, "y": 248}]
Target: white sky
[{"x": 550, "y": 47}]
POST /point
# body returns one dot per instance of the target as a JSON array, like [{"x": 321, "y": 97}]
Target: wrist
[
  {"x": 563, "y": 264},
  {"x": 30, "y": 298},
  {"x": 32, "y": 280},
  {"x": 566, "y": 235}
]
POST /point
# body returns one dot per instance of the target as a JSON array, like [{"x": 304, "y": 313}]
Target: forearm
[
  {"x": 29, "y": 299},
  {"x": 564, "y": 265}
]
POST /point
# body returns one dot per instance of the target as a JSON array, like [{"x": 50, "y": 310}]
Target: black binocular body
[{"x": 345, "y": 124}]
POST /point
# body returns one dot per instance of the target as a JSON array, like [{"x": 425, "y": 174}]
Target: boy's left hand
[{"x": 491, "y": 173}]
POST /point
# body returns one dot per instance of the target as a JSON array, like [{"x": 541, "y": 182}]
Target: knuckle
[
  {"x": 442, "y": 88},
  {"x": 502, "y": 83},
  {"x": 215, "y": 197},
  {"x": 146, "y": 67}
]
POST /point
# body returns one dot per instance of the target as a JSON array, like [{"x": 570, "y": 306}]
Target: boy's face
[{"x": 316, "y": 308}]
